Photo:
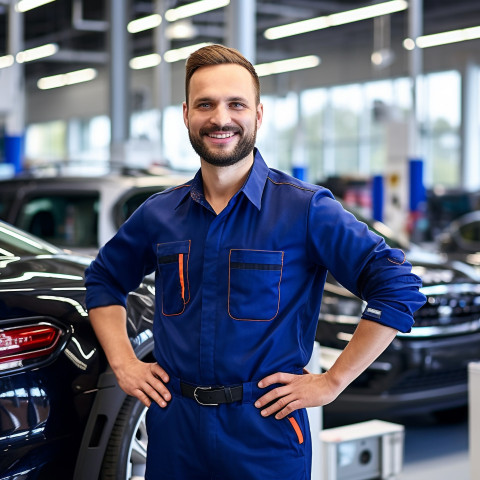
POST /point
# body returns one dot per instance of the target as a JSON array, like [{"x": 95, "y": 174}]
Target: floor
[{"x": 436, "y": 451}]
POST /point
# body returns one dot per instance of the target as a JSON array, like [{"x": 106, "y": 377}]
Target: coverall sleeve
[
  {"x": 121, "y": 264},
  {"x": 362, "y": 262}
]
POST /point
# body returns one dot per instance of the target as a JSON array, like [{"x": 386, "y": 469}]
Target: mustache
[{"x": 226, "y": 128}]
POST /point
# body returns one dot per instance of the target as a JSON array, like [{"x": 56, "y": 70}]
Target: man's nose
[{"x": 221, "y": 116}]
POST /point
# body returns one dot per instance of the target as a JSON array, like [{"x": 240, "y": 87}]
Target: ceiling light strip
[
  {"x": 144, "y": 23},
  {"x": 145, "y": 61},
  {"x": 70, "y": 78},
  {"x": 444, "y": 38},
  {"x": 335, "y": 19},
  {"x": 25, "y": 5},
  {"x": 6, "y": 61},
  {"x": 288, "y": 65},
  {"x": 37, "y": 53},
  {"x": 178, "y": 54},
  {"x": 194, "y": 8}
]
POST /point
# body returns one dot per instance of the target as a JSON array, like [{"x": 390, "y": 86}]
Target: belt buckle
[{"x": 201, "y": 403}]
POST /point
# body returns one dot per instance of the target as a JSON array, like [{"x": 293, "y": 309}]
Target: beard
[{"x": 220, "y": 158}]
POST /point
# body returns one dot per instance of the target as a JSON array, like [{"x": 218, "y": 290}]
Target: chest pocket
[
  {"x": 254, "y": 284},
  {"x": 172, "y": 260}
]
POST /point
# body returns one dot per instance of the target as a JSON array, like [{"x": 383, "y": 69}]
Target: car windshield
[{"x": 15, "y": 243}]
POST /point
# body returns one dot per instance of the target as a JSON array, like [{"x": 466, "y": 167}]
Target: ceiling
[{"x": 80, "y": 28}]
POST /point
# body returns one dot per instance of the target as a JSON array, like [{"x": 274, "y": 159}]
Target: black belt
[{"x": 212, "y": 395}]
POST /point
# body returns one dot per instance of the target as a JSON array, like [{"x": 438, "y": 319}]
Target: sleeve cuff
[{"x": 389, "y": 316}]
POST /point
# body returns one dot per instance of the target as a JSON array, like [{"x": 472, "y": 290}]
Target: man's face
[{"x": 222, "y": 116}]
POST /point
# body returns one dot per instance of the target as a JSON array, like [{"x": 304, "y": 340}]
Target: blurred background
[
  {"x": 378, "y": 101},
  {"x": 361, "y": 89}
]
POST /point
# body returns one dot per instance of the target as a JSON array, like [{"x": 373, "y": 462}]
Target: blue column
[
  {"x": 377, "y": 197},
  {"x": 417, "y": 189},
  {"x": 14, "y": 151},
  {"x": 417, "y": 225},
  {"x": 299, "y": 172}
]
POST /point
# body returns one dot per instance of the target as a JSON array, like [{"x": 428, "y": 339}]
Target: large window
[
  {"x": 348, "y": 127},
  {"x": 46, "y": 142},
  {"x": 442, "y": 128},
  {"x": 313, "y": 107},
  {"x": 278, "y": 135},
  {"x": 178, "y": 150},
  {"x": 335, "y": 131}
]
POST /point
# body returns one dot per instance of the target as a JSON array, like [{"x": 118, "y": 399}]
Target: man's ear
[
  {"x": 259, "y": 115},
  {"x": 185, "y": 113}
]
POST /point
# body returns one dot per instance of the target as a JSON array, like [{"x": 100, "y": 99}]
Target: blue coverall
[{"x": 237, "y": 299}]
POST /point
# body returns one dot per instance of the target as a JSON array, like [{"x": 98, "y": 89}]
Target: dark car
[
  {"x": 62, "y": 414},
  {"x": 461, "y": 239},
  {"x": 421, "y": 371}
]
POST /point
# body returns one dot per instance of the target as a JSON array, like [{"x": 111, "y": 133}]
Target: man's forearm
[
  {"x": 109, "y": 324},
  {"x": 146, "y": 381},
  {"x": 368, "y": 342}
]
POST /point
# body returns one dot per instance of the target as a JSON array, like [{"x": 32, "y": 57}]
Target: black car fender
[{"x": 106, "y": 406}]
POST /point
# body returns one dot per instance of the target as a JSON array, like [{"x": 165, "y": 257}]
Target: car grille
[
  {"x": 448, "y": 309},
  {"x": 418, "y": 381}
]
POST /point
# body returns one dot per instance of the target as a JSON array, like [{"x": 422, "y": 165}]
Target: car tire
[{"x": 126, "y": 451}]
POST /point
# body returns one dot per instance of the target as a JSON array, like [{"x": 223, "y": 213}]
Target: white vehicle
[{"x": 78, "y": 213}]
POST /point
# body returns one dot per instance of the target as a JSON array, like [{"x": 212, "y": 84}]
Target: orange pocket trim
[
  {"x": 297, "y": 429},
  {"x": 180, "y": 273}
]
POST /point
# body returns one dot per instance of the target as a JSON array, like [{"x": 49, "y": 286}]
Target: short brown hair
[{"x": 218, "y": 55}]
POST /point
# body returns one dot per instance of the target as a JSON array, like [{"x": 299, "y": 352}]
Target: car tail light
[{"x": 25, "y": 342}]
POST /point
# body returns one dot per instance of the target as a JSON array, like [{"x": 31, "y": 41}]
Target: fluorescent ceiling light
[
  {"x": 335, "y": 19},
  {"x": 183, "y": 29},
  {"x": 288, "y": 65},
  {"x": 194, "y": 8},
  {"x": 145, "y": 61},
  {"x": 6, "y": 61},
  {"x": 182, "y": 53},
  {"x": 37, "y": 52},
  {"x": 445, "y": 38},
  {"x": 144, "y": 23},
  {"x": 408, "y": 44},
  {"x": 25, "y": 5},
  {"x": 71, "y": 78}
]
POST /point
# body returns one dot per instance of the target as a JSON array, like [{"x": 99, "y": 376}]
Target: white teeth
[{"x": 222, "y": 135}]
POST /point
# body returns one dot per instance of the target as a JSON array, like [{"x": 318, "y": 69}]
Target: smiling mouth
[{"x": 221, "y": 135}]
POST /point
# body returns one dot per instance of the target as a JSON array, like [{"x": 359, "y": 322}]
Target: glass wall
[
  {"x": 442, "y": 128},
  {"x": 335, "y": 131},
  {"x": 46, "y": 142},
  {"x": 345, "y": 130}
]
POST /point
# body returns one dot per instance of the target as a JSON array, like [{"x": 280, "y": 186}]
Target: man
[{"x": 241, "y": 254}]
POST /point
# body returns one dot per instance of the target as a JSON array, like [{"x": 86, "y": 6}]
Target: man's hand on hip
[
  {"x": 146, "y": 381},
  {"x": 295, "y": 392}
]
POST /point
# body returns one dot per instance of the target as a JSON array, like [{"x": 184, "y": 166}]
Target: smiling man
[
  {"x": 240, "y": 256},
  {"x": 223, "y": 128}
]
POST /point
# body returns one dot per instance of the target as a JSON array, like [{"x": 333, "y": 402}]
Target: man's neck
[{"x": 220, "y": 184}]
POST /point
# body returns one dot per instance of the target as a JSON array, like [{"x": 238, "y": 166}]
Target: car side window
[
  {"x": 129, "y": 203},
  {"x": 67, "y": 220}
]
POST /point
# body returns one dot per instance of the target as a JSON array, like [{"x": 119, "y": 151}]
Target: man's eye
[
  {"x": 204, "y": 105},
  {"x": 237, "y": 105}
]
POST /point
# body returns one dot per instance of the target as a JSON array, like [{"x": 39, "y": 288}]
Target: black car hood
[
  {"x": 39, "y": 272},
  {"x": 435, "y": 268}
]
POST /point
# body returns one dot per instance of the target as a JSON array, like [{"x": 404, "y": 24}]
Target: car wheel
[{"x": 126, "y": 453}]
